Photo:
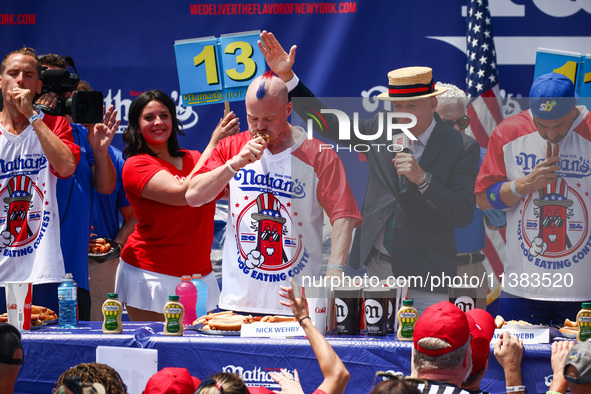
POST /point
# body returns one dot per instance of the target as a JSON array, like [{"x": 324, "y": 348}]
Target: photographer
[
  {"x": 34, "y": 150},
  {"x": 75, "y": 195}
]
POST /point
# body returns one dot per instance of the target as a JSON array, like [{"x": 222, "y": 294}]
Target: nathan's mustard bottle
[
  {"x": 407, "y": 317},
  {"x": 584, "y": 322},
  {"x": 112, "y": 311},
  {"x": 173, "y": 315}
]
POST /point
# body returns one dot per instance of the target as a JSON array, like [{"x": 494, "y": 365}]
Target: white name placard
[
  {"x": 527, "y": 335},
  {"x": 272, "y": 330}
]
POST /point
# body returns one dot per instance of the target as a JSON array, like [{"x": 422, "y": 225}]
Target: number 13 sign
[{"x": 212, "y": 70}]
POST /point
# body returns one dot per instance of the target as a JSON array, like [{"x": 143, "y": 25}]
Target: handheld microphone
[{"x": 403, "y": 144}]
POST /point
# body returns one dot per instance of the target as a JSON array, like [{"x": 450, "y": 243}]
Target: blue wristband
[{"x": 493, "y": 193}]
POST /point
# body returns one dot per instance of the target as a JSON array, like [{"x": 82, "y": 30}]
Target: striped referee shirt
[{"x": 438, "y": 387}]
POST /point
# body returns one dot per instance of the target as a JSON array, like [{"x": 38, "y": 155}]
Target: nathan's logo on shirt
[
  {"x": 23, "y": 165},
  {"x": 281, "y": 185},
  {"x": 571, "y": 166},
  {"x": 265, "y": 241},
  {"x": 554, "y": 225},
  {"x": 24, "y": 221}
]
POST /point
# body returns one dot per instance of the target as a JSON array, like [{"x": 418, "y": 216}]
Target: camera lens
[
  {"x": 87, "y": 107},
  {"x": 82, "y": 108}
]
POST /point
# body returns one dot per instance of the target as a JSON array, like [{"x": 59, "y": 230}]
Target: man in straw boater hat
[
  {"x": 536, "y": 169},
  {"x": 280, "y": 185},
  {"x": 404, "y": 232}
]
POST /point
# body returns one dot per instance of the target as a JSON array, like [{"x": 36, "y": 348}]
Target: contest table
[{"x": 50, "y": 351}]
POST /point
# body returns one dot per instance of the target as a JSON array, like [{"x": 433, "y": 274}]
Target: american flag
[
  {"x": 482, "y": 86},
  {"x": 482, "y": 83}
]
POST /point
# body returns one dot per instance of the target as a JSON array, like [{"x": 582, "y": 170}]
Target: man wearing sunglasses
[
  {"x": 471, "y": 240},
  {"x": 532, "y": 170}
]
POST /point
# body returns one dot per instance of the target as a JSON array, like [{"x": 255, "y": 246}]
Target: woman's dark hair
[
  {"x": 394, "y": 386},
  {"x": 132, "y": 136}
]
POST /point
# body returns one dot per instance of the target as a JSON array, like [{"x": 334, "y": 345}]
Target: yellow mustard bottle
[
  {"x": 584, "y": 322},
  {"x": 407, "y": 317},
  {"x": 173, "y": 316},
  {"x": 112, "y": 311}
]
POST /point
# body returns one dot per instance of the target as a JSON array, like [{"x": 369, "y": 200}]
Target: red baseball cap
[
  {"x": 482, "y": 328},
  {"x": 172, "y": 381},
  {"x": 445, "y": 321}
]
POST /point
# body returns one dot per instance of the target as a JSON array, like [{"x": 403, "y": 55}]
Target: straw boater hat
[{"x": 411, "y": 83}]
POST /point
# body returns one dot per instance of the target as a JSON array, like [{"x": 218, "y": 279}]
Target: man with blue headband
[{"x": 537, "y": 169}]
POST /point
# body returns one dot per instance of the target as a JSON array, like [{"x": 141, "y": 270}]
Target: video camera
[{"x": 83, "y": 106}]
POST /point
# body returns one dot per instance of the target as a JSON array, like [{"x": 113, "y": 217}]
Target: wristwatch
[
  {"x": 33, "y": 118},
  {"x": 426, "y": 181}
]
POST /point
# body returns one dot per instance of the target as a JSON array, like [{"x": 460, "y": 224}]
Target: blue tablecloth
[{"x": 50, "y": 351}]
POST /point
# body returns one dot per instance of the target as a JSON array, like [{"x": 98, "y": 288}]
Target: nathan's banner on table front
[{"x": 213, "y": 70}]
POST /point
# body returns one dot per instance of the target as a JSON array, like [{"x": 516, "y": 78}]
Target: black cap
[
  {"x": 580, "y": 358},
  {"x": 10, "y": 341}
]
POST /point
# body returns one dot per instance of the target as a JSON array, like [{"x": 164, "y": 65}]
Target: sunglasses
[
  {"x": 421, "y": 384},
  {"x": 18, "y": 215},
  {"x": 74, "y": 384},
  {"x": 210, "y": 382},
  {"x": 462, "y": 122},
  {"x": 557, "y": 220}
]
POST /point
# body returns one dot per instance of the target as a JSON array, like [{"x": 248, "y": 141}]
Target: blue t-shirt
[
  {"x": 105, "y": 214},
  {"x": 472, "y": 238},
  {"x": 75, "y": 200}
]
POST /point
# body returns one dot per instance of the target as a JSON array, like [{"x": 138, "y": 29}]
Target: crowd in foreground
[{"x": 449, "y": 355}]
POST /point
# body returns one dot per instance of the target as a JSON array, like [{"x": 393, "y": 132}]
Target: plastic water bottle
[
  {"x": 201, "y": 308},
  {"x": 187, "y": 293},
  {"x": 68, "y": 302}
]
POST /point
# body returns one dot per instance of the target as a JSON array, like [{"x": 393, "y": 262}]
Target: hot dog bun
[
  {"x": 282, "y": 319},
  {"x": 264, "y": 136},
  {"x": 569, "y": 330},
  {"x": 499, "y": 321},
  {"x": 569, "y": 323}
]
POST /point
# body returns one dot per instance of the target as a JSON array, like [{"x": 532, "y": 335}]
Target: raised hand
[
  {"x": 295, "y": 300},
  {"x": 289, "y": 384},
  {"x": 101, "y": 134},
  {"x": 227, "y": 126},
  {"x": 544, "y": 173},
  {"x": 250, "y": 153},
  {"x": 279, "y": 61},
  {"x": 23, "y": 100}
]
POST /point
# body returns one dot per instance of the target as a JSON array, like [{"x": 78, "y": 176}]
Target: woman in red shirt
[{"x": 171, "y": 239}]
